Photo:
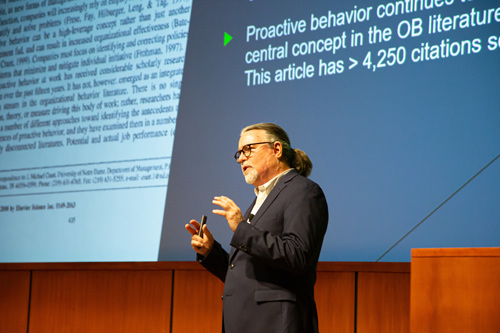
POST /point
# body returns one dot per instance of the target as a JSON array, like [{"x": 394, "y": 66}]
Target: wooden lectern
[{"x": 455, "y": 290}]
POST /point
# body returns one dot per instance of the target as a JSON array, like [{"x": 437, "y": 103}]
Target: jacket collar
[{"x": 280, "y": 185}]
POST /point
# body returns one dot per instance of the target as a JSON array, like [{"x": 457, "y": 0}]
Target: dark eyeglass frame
[{"x": 246, "y": 150}]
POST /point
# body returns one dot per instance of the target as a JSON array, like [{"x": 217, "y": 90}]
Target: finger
[
  {"x": 195, "y": 243},
  {"x": 191, "y": 230},
  {"x": 219, "y": 202},
  {"x": 207, "y": 232},
  {"x": 222, "y": 197},
  {"x": 195, "y": 224},
  {"x": 219, "y": 212},
  {"x": 226, "y": 203},
  {"x": 227, "y": 200},
  {"x": 223, "y": 201}
]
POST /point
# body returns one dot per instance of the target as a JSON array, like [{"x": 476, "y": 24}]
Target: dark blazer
[{"x": 270, "y": 273}]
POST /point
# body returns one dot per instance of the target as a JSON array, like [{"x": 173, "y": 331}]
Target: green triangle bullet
[{"x": 227, "y": 38}]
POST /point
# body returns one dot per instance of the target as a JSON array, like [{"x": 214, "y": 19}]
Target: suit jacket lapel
[{"x": 280, "y": 185}]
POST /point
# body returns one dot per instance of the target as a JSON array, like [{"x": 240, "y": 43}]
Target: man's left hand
[{"x": 229, "y": 210}]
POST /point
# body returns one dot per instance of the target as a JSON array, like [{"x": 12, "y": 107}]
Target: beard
[{"x": 251, "y": 176}]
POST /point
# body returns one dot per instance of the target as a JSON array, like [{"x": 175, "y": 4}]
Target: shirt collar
[{"x": 268, "y": 187}]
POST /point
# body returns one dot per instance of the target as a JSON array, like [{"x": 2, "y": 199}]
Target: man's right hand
[{"x": 202, "y": 246}]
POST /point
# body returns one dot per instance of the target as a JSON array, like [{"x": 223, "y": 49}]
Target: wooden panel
[
  {"x": 14, "y": 301},
  {"x": 102, "y": 266},
  {"x": 456, "y": 291},
  {"x": 456, "y": 252},
  {"x": 383, "y": 303},
  {"x": 384, "y": 267},
  {"x": 100, "y": 301},
  {"x": 323, "y": 266},
  {"x": 137, "y": 297},
  {"x": 334, "y": 294},
  {"x": 197, "y": 302}
]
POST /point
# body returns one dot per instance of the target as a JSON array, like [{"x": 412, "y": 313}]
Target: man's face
[{"x": 262, "y": 164}]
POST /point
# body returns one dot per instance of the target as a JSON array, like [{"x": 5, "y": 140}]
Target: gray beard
[{"x": 251, "y": 176}]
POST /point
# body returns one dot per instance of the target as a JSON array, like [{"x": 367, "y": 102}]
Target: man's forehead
[{"x": 252, "y": 136}]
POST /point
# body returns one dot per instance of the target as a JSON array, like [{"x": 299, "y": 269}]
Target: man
[{"x": 271, "y": 271}]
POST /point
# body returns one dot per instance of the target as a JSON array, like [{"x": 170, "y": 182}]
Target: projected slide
[
  {"x": 89, "y": 97},
  {"x": 395, "y": 102}
]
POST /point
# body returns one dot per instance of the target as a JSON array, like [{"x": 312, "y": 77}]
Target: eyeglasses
[{"x": 246, "y": 150}]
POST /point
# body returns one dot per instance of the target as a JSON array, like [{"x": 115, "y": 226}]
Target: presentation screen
[
  {"x": 119, "y": 121},
  {"x": 397, "y": 104}
]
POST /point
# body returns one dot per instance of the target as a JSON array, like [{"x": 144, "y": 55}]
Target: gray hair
[{"x": 295, "y": 158}]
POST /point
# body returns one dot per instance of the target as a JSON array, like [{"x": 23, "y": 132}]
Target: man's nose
[{"x": 241, "y": 158}]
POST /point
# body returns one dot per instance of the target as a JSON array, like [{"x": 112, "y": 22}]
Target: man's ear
[{"x": 278, "y": 149}]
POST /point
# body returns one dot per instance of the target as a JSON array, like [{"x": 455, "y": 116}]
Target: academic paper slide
[{"x": 89, "y": 98}]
